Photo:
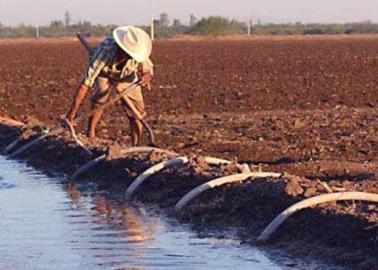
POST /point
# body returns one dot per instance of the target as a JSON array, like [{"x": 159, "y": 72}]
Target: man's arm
[
  {"x": 146, "y": 79},
  {"x": 147, "y": 74},
  {"x": 88, "y": 81},
  {"x": 78, "y": 99}
]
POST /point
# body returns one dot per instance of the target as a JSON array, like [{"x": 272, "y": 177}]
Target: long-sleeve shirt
[{"x": 102, "y": 60}]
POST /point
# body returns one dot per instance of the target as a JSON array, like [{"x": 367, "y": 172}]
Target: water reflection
[
  {"x": 127, "y": 220},
  {"x": 74, "y": 194},
  {"x": 46, "y": 225},
  {"x": 115, "y": 227}
]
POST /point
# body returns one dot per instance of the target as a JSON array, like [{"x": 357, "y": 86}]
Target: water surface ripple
[{"x": 45, "y": 224}]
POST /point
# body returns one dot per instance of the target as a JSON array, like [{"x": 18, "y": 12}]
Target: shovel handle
[{"x": 84, "y": 41}]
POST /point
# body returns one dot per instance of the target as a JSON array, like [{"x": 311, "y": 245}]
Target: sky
[{"x": 41, "y": 12}]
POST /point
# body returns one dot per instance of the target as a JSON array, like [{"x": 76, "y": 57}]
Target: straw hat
[{"x": 134, "y": 41}]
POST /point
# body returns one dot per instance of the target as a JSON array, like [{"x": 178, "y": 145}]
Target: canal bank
[{"x": 248, "y": 207}]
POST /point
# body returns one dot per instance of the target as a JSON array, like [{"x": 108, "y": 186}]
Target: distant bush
[
  {"x": 277, "y": 29},
  {"x": 365, "y": 27},
  {"x": 210, "y": 26},
  {"x": 316, "y": 29},
  {"x": 218, "y": 26},
  {"x": 56, "y": 29}
]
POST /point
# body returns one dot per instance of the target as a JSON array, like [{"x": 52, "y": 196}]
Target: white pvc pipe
[
  {"x": 160, "y": 166},
  {"x": 13, "y": 123},
  {"x": 219, "y": 182},
  {"x": 331, "y": 197},
  {"x": 12, "y": 145},
  {"x": 46, "y": 133},
  {"x": 90, "y": 164},
  {"x": 137, "y": 149},
  {"x": 35, "y": 141}
]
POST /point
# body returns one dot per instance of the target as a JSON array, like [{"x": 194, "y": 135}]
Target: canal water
[{"x": 46, "y": 223}]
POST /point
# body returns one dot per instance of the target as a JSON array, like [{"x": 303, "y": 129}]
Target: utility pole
[
  {"x": 152, "y": 19},
  {"x": 37, "y": 32},
  {"x": 250, "y": 24},
  {"x": 249, "y": 27}
]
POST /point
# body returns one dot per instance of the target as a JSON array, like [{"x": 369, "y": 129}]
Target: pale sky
[{"x": 13, "y": 12}]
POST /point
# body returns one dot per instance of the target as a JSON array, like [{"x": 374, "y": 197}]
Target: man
[{"x": 118, "y": 61}]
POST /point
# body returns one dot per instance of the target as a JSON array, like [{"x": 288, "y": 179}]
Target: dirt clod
[
  {"x": 293, "y": 188},
  {"x": 114, "y": 152}
]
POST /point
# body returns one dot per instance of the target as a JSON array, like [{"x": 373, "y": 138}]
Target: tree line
[{"x": 210, "y": 26}]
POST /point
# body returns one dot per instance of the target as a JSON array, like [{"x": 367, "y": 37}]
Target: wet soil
[{"x": 304, "y": 107}]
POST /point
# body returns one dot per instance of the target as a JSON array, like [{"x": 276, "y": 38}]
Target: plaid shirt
[{"x": 102, "y": 61}]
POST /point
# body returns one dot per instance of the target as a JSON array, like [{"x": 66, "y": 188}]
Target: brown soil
[{"x": 305, "y": 107}]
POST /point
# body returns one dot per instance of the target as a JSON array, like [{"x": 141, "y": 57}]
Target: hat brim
[{"x": 140, "y": 48}]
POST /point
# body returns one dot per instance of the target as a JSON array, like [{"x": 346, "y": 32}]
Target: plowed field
[{"x": 308, "y": 107}]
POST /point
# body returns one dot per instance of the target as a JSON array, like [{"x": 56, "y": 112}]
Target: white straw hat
[{"x": 134, "y": 41}]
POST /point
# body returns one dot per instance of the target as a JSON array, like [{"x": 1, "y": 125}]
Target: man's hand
[
  {"x": 70, "y": 117},
  {"x": 146, "y": 79},
  {"x": 78, "y": 99}
]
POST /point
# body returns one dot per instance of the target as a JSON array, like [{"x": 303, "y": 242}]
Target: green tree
[
  {"x": 56, "y": 24},
  {"x": 164, "y": 20},
  {"x": 176, "y": 23},
  {"x": 178, "y": 28},
  {"x": 218, "y": 26}
]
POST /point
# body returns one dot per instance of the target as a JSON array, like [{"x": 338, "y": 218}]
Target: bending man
[{"x": 117, "y": 62}]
